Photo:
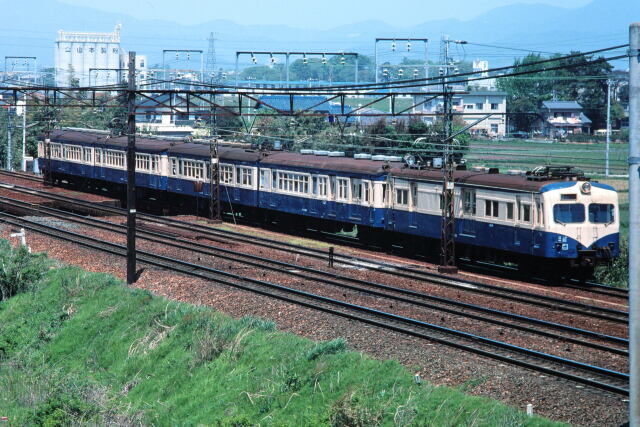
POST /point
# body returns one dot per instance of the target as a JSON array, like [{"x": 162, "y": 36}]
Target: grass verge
[{"x": 81, "y": 348}]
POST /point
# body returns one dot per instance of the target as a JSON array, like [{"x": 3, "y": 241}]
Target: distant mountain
[{"x": 30, "y": 28}]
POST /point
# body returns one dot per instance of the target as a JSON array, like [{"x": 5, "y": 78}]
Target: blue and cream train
[{"x": 548, "y": 220}]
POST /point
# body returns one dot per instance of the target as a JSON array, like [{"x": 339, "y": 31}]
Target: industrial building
[{"x": 80, "y": 57}]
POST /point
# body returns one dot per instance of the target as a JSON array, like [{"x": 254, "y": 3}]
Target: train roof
[
  {"x": 323, "y": 163},
  {"x": 104, "y": 138},
  {"x": 327, "y": 163},
  {"x": 224, "y": 152},
  {"x": 481, "y": 179}
]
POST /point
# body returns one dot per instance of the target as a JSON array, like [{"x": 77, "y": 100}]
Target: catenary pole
[
  {"x": 24, "y": 134},
  {"x": 634, "y": 224},
  {"x": 9, "y": 165},
  {"x": 606, "y": 166},
  {"x": 131, "y": 171}
]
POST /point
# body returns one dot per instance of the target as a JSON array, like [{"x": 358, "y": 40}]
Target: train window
[
  {"x": 343, "y": 188},
  {"x": 98, "y": 155},
  {"x": 539, "y": 212},
  {"x": 491, "y": 208},
  {"x": 56, "y": 151},
  {"x": 86, "y": 151},
  {"x": 245, "y": 176},
  {"x": 509, "y": 210},
  {"x": 469, "y": 201},
  {"x": 366, "y": 191},
  {"x": 384, "y": 193},
  {"x": 566, "y": 213},
  {"x": 525, "y": 212},
  {"x": 174, "y": 165},
  {"x": 601, "y": 213},
  {"x": 414, "y": 194},
  {"x": 264, "y": 179},
  {"x": 72, "y": 152},
  {"x": 323, "y": 186},
  {"x": 568, "y": 197},
  {"x": 226, "y": 174},
  {"x": 143, "y": 162},
  {"x": 114, "y": 158},
  {"x": 402, "y": 196},
  {"x": 356, "y": 190}
]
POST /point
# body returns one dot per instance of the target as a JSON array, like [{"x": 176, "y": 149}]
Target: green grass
[
  {"x": 519, "y": 154},
  {"x": 83, "y": 348}
]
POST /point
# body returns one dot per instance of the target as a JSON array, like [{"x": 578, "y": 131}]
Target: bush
[
  {"x": 617, "y": 273},
  {"x": 20, "y": 271}
]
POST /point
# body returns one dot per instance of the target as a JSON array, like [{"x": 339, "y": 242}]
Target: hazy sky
[{"x": 319, "y": 14}]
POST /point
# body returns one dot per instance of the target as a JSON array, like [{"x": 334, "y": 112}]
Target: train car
[{"x": 553, "y": 216}]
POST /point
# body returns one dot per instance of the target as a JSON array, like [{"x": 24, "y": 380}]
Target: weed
[
  {"x": 616, "y": 274},
  {"x": 338, "y": 345},
  {"x": 20, "y": 271},
  {"x": 350, "y": 410},
  {"x": 258, "y": 323}
]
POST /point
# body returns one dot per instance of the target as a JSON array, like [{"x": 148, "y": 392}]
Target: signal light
[{"x": 393, "y": 46}]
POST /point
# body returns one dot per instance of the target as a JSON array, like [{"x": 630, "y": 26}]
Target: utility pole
[
  {"x": 606, "y": 166},
  {"x": 447, "y": 234},
  {"x": 131, "y": 171},
  {"x": 634, "y": 224},
  {"x": 9, "y": 165},
  {"x": 24, "y": 134},
  {"x": 214, "y": 179},
  {"x": 48, "y": 174}
]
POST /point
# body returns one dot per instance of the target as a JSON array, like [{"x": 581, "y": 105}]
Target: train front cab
[{"x": 583, "y": 226}]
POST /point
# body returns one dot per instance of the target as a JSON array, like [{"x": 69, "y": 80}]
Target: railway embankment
[{"x": 80, "y": 347}]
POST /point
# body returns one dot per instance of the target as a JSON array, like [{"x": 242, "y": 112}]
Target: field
[
  {"x": 589, "y": 157},
  {"x": 81, "y": 348}
]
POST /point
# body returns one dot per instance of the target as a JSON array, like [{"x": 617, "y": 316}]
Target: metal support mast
[
  {"x": 634, "y": 224},
  {"x": 214, "y": 179},
  {"x": 9, "y": 162},
  {"x": 606, "y": 166},
  {"x": 447, "y": 235},
  {"x": 48, "y": 174},
  {"x": 131, "y": 171}
]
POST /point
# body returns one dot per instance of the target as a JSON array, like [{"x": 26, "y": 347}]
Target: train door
[
  {"x": 99, "y": 163},
  {"x": 538, "y": 236},
  {"x": 331, "y": 207},
  {"x": 413, "y": 203},
  {"x": 525, "y": 219},
  {"x": 468, "y": 212}
]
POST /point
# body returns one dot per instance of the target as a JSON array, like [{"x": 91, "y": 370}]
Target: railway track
[
  {"x": 581, "y": 373},
  {"x": 556, "y": 331},
  {"x": 544, "y": 301}
]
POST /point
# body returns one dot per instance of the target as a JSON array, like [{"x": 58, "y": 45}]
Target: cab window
[
  {"x": 600, "y": 213},
  {"x": 568, "y": 213}
]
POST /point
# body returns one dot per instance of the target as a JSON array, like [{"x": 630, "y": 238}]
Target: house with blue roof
[
  {"x": 560, "y": 118},
  {"x": 286, "y": 104}
]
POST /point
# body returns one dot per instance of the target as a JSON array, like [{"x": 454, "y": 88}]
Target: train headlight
[{"x": 586, "y": 187}]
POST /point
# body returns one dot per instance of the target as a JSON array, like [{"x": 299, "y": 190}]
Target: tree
[{"x": 574, "y": 81}]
